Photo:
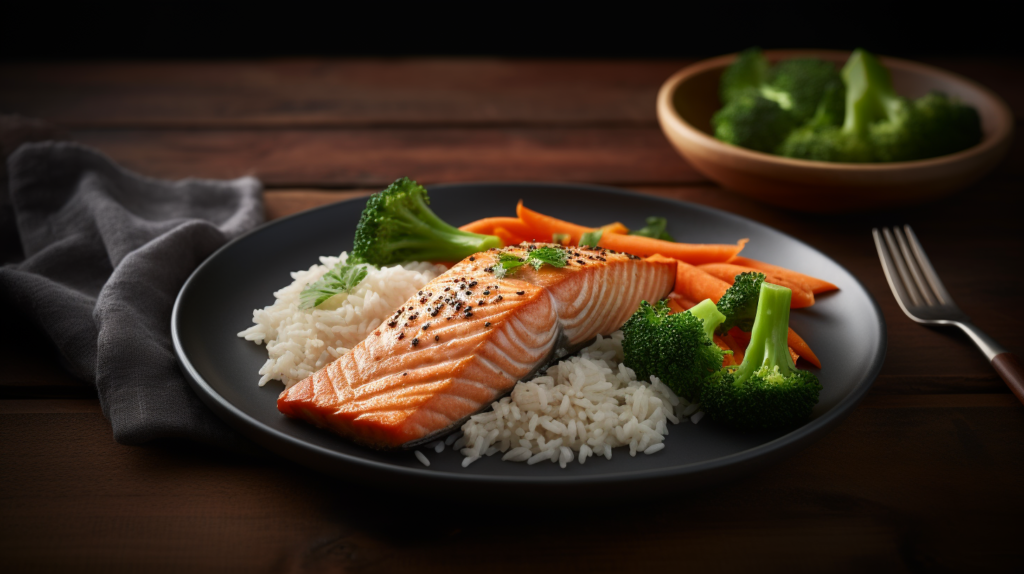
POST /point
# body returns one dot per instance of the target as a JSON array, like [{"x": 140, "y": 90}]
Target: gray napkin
[{"x": 104, "y": 252}]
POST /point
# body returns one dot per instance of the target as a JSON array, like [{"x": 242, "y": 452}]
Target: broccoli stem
[
  {"x": 869, "y": 93},
  {"x": 768, "y": 340},
  {"x": 708, "y": 312},
  {"x": 440, "y": 238}
]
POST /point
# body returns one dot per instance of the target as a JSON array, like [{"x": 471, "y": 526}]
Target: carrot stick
[
  {"x": 697, "y": 285},
  {"x": 674, "y": 305},
  {"x": 615, "y": 227},
  {"x": 544, "y": 226},
  {"x": 801, "y": 348},
  {"x": 814, "y": 284},
  {"x": 506, "y": 236},
  {"x": 802, "y": 296},
  {"x": 681, "y": 301},
  {"x": 694, "y": 253},
  {"x": 488, "y": 224},
  {"x": 737, "y": 348},
  {"x": 730, "y": 359}
]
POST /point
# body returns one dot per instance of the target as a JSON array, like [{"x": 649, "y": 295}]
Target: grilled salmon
[{"x": 466, "y": 338}]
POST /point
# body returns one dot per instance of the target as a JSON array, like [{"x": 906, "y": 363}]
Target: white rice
[
  {"x": 301, "y": 341},
  {"x": 582, "y": 407}
]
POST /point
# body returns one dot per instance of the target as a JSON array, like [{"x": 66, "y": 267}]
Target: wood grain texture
[
  {"x": 891, "y": 488},
  {"x": 310, "y": 92},
  {"x": 376, "y": 157},
  {"x": 364, "y": 92}
]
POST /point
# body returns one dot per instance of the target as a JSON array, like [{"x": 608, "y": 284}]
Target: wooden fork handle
[{"x": 1009, "y": 369}]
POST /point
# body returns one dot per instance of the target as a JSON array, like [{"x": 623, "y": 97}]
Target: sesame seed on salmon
[{"x": 467, "y": 337}]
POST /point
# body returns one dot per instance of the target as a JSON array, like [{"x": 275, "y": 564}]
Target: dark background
[{"x": 629, "y": 30}]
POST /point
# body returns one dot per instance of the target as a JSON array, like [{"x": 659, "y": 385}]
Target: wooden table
[{"x": 925, "y": 475}]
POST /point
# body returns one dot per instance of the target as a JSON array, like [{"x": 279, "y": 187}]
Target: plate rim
[{"x": 292, "y": 448}]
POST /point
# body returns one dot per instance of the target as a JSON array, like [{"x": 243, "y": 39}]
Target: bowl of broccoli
[{"x": 830, "y": 131}]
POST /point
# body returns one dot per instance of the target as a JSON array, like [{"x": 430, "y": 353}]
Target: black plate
[{"x": 846, "y": 330}]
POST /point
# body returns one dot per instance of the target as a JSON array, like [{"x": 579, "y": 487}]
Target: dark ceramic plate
[{"x": 846, "y": 330}]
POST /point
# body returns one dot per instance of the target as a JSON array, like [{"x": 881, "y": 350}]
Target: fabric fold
[{"x": 103, "y": 254}]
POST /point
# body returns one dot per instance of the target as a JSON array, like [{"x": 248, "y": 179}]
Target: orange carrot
[
  {"x": 697, "y": 285},
  {"x": 800, "y": 348},
  {"x": 681, "y": 301},
  {"x": 507, "y": 237},
  {"x": 737, "y": 349},
  {"x": 544, "y": 226},
  {"x": 615, "y": 227},
  {"x": 674, "y": 306},
  {"x": 694, "y": 253},
  {"x": 802, "y": 296},
  {"x": 814, "y": 284},
  {"x": 488, "y": 224},
  {"x": 730, "y": 359}
]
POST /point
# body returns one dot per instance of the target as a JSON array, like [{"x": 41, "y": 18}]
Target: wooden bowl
[{"x": 687, "y": 100}]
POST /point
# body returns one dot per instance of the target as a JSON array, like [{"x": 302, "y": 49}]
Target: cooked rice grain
[
  {"x": 586, "y": 404},
  {"x": 301, "y": 341}
]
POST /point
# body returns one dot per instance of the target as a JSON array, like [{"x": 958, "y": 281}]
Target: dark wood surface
[{"x": 925, "y": 475}]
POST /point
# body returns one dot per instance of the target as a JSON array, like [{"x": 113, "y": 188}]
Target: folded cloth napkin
[{"x": 104, "y": 252}]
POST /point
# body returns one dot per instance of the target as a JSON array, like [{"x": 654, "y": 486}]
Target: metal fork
[{"x": 923, "y": 297}]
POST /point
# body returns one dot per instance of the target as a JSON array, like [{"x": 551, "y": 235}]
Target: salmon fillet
[{"x": 465, "y": 340}]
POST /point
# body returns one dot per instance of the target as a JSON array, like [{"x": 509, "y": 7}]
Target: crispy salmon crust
[{"x": 466, "y": 338}]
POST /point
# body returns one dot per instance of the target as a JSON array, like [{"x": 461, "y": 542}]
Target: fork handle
[{"x": 1009, "y": 369}]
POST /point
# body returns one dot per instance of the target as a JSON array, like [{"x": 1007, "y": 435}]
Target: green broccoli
[
  {"x": 881, "y": 126},
  {"x": 748, "y": 72},
  {"x": 398, "y": 226},
  {"x": 762, "y": 105},
  {"x": 753, "y": 121},
  {"x": 766, "y": 391},
  {"x": 739, "y": 303},
  {"x": 677, "y": 348},
  {"x": 800, "y": 86},
  {"x": 947, "y": 125}
]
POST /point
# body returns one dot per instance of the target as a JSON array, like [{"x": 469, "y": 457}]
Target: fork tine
[
  {"x": 890, "y": 270},
  {"x": 901, "y": 267},
  {"x": 926, "y": 267},
  {"x": 922, "y": 288}
]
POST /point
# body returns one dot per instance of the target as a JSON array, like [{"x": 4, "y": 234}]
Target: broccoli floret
[
  {"x": 748, "y": 72},
  {"x": 739, "y": 303},
  {"x": 947, "y": 125},
  {"x": 766, "y": 391},
  {"x": 762, "y": 105},
  {"x": 753, "y": 121},
  {"x": 677, "y": 348},
  {"x": 881, "y": 126},
  {"x": 398, "y": 226},
  {"x": 800, "y": 85}
]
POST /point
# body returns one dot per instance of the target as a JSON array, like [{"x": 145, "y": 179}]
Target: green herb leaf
[
  {"x": 560, "y": 238},
  {"x": 655, "y": 228},
  {"x": 507, "y": 262},
  {"x": 590, "y": 238},
  {"x": 342, "y": 279},
  {"x": 553, "y": 256}
]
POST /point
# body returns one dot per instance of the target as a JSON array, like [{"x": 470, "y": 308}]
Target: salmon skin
[{"x": 465, "y": 340}]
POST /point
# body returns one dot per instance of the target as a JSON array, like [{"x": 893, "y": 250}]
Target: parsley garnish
[
  {"x": 508, "y": 262},
  {"x": 342, "y": 279},
  {"x": 590, "y": 238},
  {"x": 655, "y": 228}
]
